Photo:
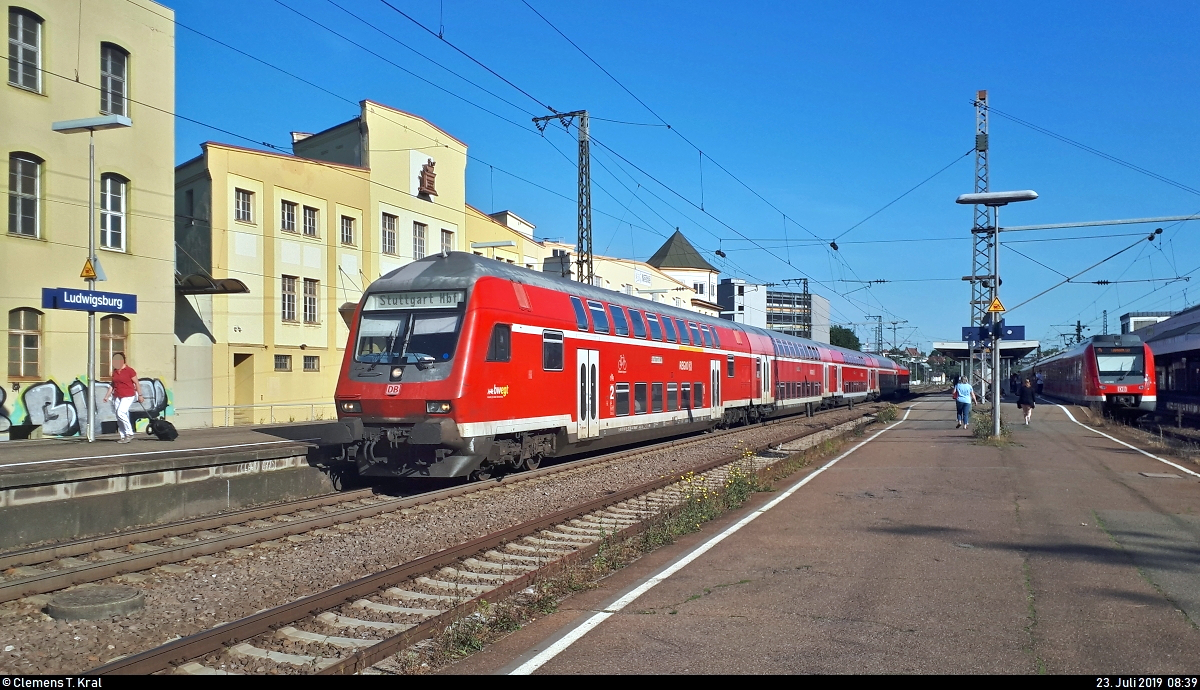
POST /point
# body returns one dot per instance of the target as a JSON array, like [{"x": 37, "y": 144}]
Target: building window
[
  {"x": 114, "y": 63},
  {"x": 447, "y": 241},
  {"x": 287, "y": 216},
  {"x": 289, "y": 298},
  {"x": 114, "y": 334},
  {"x": 698, "y": 287},
  {"x": 418, "y": 241},
  {"x": 24, "y": 50},
  {"x": 243, "y": 206},
  {"x": 283, "y": 362},
  {"x": 347, "y": 230},
  {"x": 24, "y": 343},
  {"x": 112, "y": 211},
  {"x": 389, "y": 234},
  {"x": 310, "y": 221},
  {"x": 24, "y": 182},
  {"x": 310, "y": 300},
  {"x": 312, "y": 363}
]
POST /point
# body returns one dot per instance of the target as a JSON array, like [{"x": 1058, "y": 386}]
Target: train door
[
  {"x": 765, "y": 389},
  {"x": 588, "y": 384},
  {"x": 871, "y": 385},
  {"x": 833, "y": 380},
  {"x": 714, "y": 388}
]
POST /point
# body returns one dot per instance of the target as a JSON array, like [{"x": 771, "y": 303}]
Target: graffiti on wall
[
  {"x": 4, "y": 423},
  {"x": 57, "y": 414}
]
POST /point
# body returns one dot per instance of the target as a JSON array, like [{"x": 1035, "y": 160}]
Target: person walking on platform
[
  {"x": 1041, "y": 381},
  {"x": 964, "y": 395},
  {"x": 124, "y": 389},
  {"x": 1025, "y": 400}
]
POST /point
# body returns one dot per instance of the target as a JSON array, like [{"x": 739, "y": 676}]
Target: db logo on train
[{"x": 393, "y": 389}]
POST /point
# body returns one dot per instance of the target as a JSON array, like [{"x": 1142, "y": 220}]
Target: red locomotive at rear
[{"x": 463, "y": 366}]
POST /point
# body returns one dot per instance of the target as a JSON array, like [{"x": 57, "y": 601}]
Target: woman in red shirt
[{"x": 124, "y": 389}]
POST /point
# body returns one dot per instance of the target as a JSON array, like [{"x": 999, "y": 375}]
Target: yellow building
[
  {"x": 304, "y": 234},
  {"x": 69, "y": 61},
  {"x": 504, "y": 236}
]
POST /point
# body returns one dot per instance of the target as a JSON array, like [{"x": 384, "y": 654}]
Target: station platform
[
  {"x": 53, "y": 489},
  {"x": 919, "y": 551}
]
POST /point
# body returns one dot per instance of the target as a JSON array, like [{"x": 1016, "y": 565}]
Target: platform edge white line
[{"x": 1154, "y": 457}]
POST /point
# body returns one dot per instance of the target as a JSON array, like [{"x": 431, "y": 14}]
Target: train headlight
[
  {"x": 350, "y": 406},
  {"x": 437, "y": 406},
  {"x": 397, "y": 372}
]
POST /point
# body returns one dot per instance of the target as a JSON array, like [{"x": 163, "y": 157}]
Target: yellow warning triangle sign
[
  {"x": 88, "y": 272},
  {"x": 995, "y": 306}
]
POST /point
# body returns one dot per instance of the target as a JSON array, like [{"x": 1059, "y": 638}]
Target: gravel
[{"x": 234, "y": 584}]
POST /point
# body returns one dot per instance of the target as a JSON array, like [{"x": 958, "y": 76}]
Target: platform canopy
[{"x": 1009, "y": 349}]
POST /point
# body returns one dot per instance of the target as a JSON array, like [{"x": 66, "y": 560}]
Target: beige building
[
  {"x": 68, "y": 61},
  {"x": 272, "y": 245}
]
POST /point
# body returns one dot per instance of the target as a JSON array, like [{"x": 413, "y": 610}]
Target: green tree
[{"x": 844, "y": 337}]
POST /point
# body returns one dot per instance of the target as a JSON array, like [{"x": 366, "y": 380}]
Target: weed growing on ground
[
  {"x": 887, "y": 413},
  {"x": 982, "y": 424}
]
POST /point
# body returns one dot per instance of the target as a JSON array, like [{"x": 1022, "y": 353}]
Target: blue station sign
[{"x": 88, "y": 300}]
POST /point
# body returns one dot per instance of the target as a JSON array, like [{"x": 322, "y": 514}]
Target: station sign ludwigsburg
[{"x": 88, "y": 300}]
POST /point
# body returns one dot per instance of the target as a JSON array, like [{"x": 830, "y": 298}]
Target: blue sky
[{"x": 827, "y": 112}]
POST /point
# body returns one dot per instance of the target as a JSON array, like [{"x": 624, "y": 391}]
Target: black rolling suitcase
[{"x": 160, "y": 428}]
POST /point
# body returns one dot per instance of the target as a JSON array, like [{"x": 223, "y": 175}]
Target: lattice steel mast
[
  {"x": 981, "y": 236},
  {"x": 583, "y": 246}
]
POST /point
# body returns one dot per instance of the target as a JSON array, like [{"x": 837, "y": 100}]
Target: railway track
[
  {"x": 352, "y": 626},
  {"x": 56, "y": 566}
]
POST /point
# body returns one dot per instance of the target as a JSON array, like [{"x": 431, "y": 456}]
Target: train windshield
[
  {"x": 407, "y": 337},
  {"x": 1119, "y": 363}
]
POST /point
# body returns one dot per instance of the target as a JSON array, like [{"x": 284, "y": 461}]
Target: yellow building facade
[
  {"x": 69, "y": 61},
  {"x": 273, "y": 245}
]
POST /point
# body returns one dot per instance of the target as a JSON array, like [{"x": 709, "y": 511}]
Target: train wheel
[{"x": 533, "y": 462}]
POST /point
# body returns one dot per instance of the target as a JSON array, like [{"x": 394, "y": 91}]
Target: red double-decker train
[
  {"x": 1114, "y": 372},
  {"x": 458, "y": 365}
]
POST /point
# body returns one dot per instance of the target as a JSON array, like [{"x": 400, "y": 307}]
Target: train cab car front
[{"x": 401, "y": 382}]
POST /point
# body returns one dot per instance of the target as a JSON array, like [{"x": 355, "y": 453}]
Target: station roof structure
[{"x": 1009, "y": 349}]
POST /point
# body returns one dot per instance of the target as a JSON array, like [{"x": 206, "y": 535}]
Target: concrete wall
[{"x": 71, "y": 39}]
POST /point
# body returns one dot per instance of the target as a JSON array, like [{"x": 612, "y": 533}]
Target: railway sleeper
[
  {"x": 335, "y": 621},
  {"x": 293, "y": 635},
  {"x": 368, "y": 605},
  {"x": 406, "y": 595},
  {"x": 250, "y": 651}
]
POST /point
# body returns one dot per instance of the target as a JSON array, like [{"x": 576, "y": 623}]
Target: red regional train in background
[
  {"x": 1109, "y": 371},
  {"x": 459, "y": 365}
]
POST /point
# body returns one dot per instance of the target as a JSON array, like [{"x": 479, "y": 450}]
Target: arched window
[
  {"x": 114, "y": 68},
  {"x": 113, "y": 190},
  {"x": 24, "y": 49},
  {"x": 114, "y": 337},
  {"x": 24, "y": 343},
  {"x": 24, "y": 190}
]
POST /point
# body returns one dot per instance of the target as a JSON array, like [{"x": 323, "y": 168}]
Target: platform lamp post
[
  {"x": 995, "y": 200},
  {"x": 91, "y": 125}
]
